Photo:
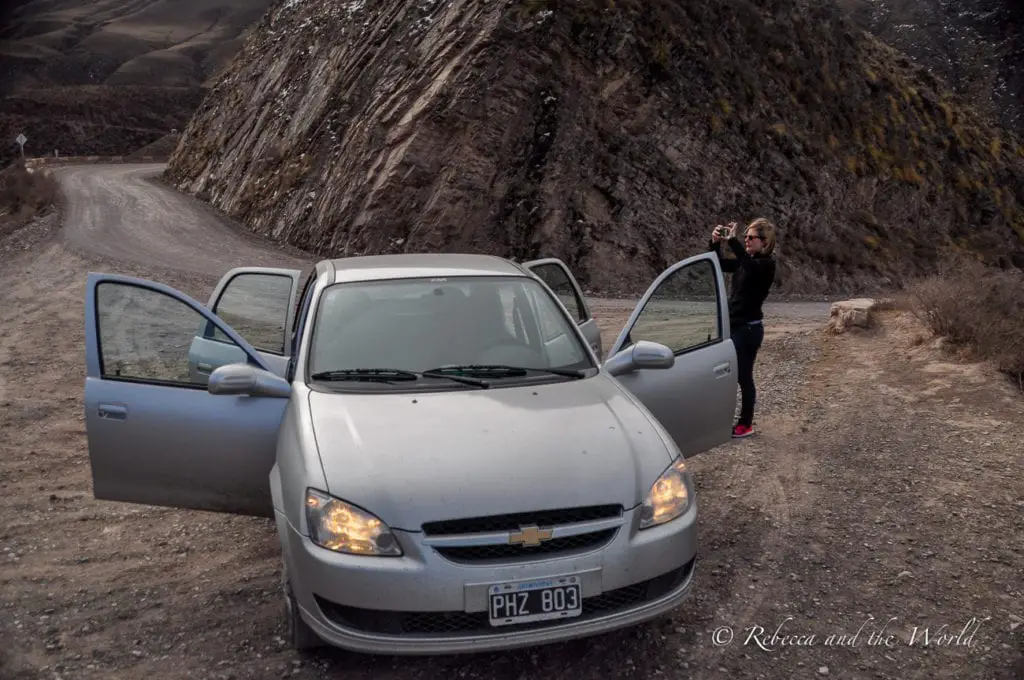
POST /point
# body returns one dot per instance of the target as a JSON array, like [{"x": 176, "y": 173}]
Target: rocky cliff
[
  {"x": 976, "y": 46},
  {"x": 609, "y": 134}
]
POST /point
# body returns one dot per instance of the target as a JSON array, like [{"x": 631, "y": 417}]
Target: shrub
[
  {"x": 24, "y": 194},
  {"x": 979, "y": 309}
]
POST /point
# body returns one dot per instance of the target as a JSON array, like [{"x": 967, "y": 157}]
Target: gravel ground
[{"x": 883, "y": 494}]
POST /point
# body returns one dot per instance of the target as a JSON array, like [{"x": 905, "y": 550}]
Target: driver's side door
[
  {"x": 155, "y": 434},
  {"x": 686, "y": 309},
  {"x": 556, "y": 275},
  {"x": 257, "y": 302}
]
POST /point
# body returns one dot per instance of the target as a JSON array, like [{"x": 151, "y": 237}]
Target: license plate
[{"x": 541, "y": 600}]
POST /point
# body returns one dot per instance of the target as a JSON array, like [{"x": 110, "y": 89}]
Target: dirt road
[
  {"x": 883, "y": 495},
  {"x": 119, "y": 212}
]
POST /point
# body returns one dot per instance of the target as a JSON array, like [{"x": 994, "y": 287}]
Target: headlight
[
  {"x": 338, "y": 526},
  {"x": 669, "y": 497}
]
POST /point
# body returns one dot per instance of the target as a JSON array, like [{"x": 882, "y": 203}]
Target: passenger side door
[
  {"x": 556, "y": 275},
  {"x": 686, "y": 309},
  {"x": 257, "y": 302},
  {"x": 155, "y": 434}
]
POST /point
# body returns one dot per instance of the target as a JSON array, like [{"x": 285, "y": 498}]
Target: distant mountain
[{"x": 109, "y": 76}]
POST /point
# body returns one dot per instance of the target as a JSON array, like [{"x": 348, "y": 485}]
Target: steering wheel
[
  {"x": 517, "y": 349},
  {"x": 506, "y": 342}
]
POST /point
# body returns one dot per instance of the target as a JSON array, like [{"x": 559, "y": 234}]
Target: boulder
[{"x": 846, "y": 314}]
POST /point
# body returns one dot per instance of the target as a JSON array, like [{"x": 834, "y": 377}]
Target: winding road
[{"x": 123, "y": 212}]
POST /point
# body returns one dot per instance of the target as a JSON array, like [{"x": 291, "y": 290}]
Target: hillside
[
  {"x": 611, "y": 135},
  {"x": 109, "y": 76},
  {"x": 976, "y": 46}
]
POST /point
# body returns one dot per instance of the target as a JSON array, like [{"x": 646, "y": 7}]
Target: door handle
[
  {"x": 204, "y": 367},
  {"x": 723, "y": 370},
  {"x": 112, "y": 412}
]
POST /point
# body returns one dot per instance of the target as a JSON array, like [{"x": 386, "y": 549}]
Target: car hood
[{"x": 415, "y": 458}]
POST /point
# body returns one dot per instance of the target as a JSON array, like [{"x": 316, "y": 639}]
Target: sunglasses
[{"x": 750, "y": 237}]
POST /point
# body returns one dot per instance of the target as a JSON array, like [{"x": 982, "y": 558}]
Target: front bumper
[{"x": 423, "y": 603}]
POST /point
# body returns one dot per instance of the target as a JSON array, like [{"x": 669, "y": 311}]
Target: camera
[{"x": 723, "y": 232}]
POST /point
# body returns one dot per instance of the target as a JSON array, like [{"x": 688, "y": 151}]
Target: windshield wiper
[
  {"x": 367, "y": 374},
  {"x": 388, "y": 375},
  {"x": 464, "y": 379},
  {"x": 503, "y": 371}
]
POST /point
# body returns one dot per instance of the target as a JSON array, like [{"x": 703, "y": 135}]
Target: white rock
[{"x": 847, "y": 314}]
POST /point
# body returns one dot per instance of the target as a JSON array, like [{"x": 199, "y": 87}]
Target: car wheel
[{"x": 300, "y": 636}]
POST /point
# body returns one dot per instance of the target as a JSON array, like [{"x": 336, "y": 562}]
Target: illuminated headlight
[
  {"x": 669, "y": 497},
  {"x": 338, "y": 526}
]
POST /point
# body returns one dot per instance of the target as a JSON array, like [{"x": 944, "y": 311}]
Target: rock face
[
  {"x": 977, "y": 46},
  {"x": 611, "y": 135}
]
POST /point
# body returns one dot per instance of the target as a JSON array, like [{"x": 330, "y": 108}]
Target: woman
[{"x": 753, "y": 275}]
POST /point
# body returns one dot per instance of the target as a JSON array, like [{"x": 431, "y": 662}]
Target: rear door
[
  {"x": 686, "y": 309},
  {"x": 556, "y": 275},
  {"x": 155, "y": 435},
  {"x": 257, "y": 302}
]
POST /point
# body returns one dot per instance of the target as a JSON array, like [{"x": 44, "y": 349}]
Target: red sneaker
[{"x": 742, "y": 431}]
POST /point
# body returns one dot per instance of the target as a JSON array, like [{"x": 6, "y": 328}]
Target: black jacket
[{"x": 752, "y": 278}]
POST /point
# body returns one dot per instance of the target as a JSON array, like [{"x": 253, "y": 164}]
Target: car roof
[{"x": 417, "y": 265}]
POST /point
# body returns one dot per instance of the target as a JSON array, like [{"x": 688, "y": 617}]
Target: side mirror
[
  {"x": 247, "y": 380},
  {"x": 643, "y": 354}
]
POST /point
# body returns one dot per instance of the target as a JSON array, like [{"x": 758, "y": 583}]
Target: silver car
[{"x": 451, "y": 464}]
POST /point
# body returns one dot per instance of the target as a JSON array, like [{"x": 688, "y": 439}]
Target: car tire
[{"x": 300, "y": 636}]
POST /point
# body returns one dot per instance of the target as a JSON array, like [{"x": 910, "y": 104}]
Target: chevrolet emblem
[{"x": 530, "y": 536}]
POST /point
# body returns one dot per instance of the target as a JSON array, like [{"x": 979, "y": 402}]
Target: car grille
[
  {"x": 500, "y": 550},
  {"x": 511, "y": 522},
  {"x": 505, "y": 552},
  {"x": 476, "y": 623}
]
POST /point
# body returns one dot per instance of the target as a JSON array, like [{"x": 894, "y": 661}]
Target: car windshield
[{"x": 488, "y": 323}]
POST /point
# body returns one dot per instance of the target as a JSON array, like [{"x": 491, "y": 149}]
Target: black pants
[{"x": 747, "y": 338}]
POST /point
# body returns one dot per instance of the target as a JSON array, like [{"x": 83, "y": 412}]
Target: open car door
[
  {"x": 686, "y": 309},
  {"x": 556, "y": 275},
  {"x": 156, "y": 434},
  {"x": 257, "y": 302}
]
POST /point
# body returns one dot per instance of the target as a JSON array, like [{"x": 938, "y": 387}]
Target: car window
[
  {"x": 419, "y": 324},
  {"x": 683, "y": 311},
  {"x": 554, "y": 276},
  {"x": 551, "y": 323},
  {"x": 149, "y": 336},
  {"x": 255, "y": 305}
]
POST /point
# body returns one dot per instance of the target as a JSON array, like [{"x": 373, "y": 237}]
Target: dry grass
[
  {"x": 979, "y": 310},
  {"x": 23, "y": 195}
]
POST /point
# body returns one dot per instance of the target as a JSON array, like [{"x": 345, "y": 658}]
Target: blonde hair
[{"x": 766, "y": 230}]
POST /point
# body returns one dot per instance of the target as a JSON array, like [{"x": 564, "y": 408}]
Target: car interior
[{"x": 474, "y": 323}]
